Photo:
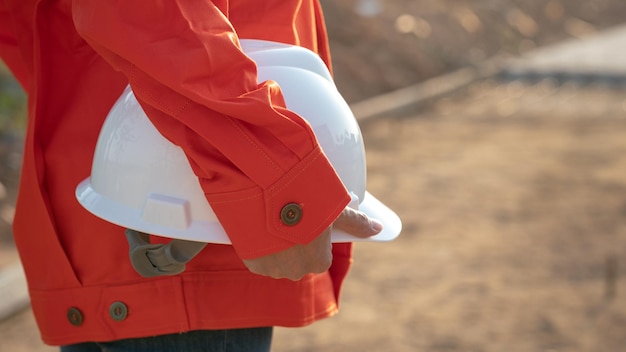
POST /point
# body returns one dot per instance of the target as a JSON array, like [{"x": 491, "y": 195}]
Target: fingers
[
  {"x": 357, "y": 223},
  {"x": 316, "y": 256}
]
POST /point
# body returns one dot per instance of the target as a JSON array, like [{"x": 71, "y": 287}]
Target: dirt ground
[
  {"x": 514, "y": 207},
  {"x": 513, "y": 197}
]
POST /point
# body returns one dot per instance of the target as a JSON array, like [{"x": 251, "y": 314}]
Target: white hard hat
[{"x": 141, "y": 181}]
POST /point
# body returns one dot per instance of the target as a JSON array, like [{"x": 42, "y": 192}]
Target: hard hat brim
[
  {"x": 375, "y": 209},
  {"x": 213, "y": 232},
  {"x": 125, "y": 216}
]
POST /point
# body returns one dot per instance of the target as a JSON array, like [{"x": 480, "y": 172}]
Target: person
[{"x": 250, "y": 154}]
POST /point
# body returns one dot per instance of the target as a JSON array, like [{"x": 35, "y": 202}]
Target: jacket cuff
[{"x": 294, "y": 210}]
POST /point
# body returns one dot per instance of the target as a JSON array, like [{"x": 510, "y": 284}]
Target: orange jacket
[{"x": 251, "y": 155}]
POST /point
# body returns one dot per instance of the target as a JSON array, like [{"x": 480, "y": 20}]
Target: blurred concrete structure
[
  {"x": 600, "y": 57},
  {"x": 596, "y": 59}
]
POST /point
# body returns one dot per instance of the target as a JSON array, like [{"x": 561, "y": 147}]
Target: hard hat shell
[{"x": 140, "y": 180}]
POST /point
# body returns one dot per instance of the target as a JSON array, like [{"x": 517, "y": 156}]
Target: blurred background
[
  {"x": 512, "y": 190},
  {"x": 379, "y": 46}
]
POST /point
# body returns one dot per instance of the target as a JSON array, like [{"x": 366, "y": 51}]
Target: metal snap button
[
  {"x": 75, "y": 316},
  {"x": 118, "y": 311},
  {"x": 291, "y": 214}
]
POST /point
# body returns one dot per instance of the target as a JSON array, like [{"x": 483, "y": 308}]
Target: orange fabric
[{"x": 183, "y": 61}]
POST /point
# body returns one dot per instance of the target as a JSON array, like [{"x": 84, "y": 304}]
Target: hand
[{"x": 316, "y": 256}]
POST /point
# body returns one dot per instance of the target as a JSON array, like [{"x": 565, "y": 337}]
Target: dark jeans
[{"x": 235, "y": 340}]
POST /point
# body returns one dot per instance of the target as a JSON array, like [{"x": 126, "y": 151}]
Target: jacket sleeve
[{"x": 251, "y": 155}]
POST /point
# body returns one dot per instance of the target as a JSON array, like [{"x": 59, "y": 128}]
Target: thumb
[{"x": 357, "y": 223}]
